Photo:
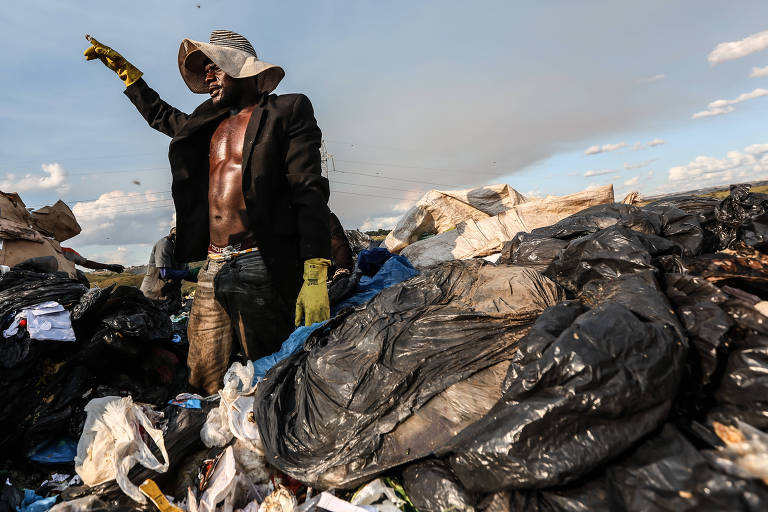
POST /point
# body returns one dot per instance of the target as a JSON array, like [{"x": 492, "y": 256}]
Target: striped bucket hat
[{"x": 233, "y": 54}]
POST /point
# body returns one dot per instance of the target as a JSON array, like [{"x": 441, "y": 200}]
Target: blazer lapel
[{"x": 251, "y": 134}]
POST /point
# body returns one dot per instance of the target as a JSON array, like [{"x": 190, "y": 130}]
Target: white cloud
[
  {"x": 752, "y": 163},
  {"x": 720, "y": 107},
  {"x": 593, "y": 150},
  {"x": 656, "y": 142},
  {"x": 55, "y": 179},
  {"x": 632, "y": 181},
  {"x": 650, "y": 174},
  {"x": 123, "y": 218},
  {"x": 598, "y": 173},
  {"x": 637, "y": 146},
  {"x": 638, "y": 165},
  {"x": 653, "y": 78},
  {"x": 759, "y": 72},
  {"x": 119, "y": 255},
  {"x": 372, "y": 224},
  {"x": 738, "y": 49}
]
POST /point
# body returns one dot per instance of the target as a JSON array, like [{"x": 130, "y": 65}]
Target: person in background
[
  {"x": 162, "y": 281},
  {"x": 75, "y": 257}
]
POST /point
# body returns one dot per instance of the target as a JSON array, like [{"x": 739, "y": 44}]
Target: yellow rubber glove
[
  {"x": 127, "y": 72},
  {"x": 312, "y": 303}
]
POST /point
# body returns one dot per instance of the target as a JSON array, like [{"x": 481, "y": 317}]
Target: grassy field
[
  {"x": 104, "y": 279},
  {"x": 722, "y": 194}
]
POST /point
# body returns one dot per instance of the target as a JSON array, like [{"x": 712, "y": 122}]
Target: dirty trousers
[{"x": 235, "y": 301}]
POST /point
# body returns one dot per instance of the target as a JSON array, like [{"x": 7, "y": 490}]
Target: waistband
[
  {"x": 239, "y": 247},
  {"x": 228, "y": 255}
]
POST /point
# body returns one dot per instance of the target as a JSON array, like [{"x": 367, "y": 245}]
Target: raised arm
[{"x": 160, "y": 115}]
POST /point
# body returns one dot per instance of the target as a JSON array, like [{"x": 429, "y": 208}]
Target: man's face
[{"x": 224, "y": 89}]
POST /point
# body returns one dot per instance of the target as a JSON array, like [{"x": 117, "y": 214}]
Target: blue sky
[{"x": 409, "y": 95}]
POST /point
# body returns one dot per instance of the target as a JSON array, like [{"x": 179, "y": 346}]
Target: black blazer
[{"x": 285, "y": 195}]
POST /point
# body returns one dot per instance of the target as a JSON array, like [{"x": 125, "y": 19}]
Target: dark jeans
[{"x": 261, "y": 320}]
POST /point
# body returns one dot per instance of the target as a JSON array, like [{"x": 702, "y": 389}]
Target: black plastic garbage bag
[
  {"x": 742, "y": 216},
  {"x": 742, "y": 392},
  {"x": 584, "y": 386},
  {"x": 680, "y": 227},
  {"x": 432, "y": 487},
  {"x": 707, "y": 325},
  {"x": 24, "y": 289},
  {"x": 323, "y": 412},
  {"x": 664, "y": 472},
  {"x": 607, "y": 254},
  {"x": 127, "y": 321},
  {"x": 531, "y": 250}
]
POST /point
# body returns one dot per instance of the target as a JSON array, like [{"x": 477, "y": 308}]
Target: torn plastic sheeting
[
  {"x": 664, "y": 472},
  {"x": 582, "y": 388},
  {"x": 742, "y": 267},
  {"x": 438, "y": 211},
  {"x": 474, "y": 238},
  {"x": 374, "y": 366}
]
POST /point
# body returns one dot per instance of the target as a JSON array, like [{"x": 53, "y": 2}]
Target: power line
[
  {"x": 372, "y": 186},
  {"x": 367, "y": 195},
  {"x": 460, "y": 171},
  {"x": 396, "y": 179}
]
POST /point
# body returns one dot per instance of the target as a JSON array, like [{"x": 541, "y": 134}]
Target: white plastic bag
[
  {"x": 111, "y": 444},
  {"x": 227, "y": 485},
  {"x": 234, "y": 416}
]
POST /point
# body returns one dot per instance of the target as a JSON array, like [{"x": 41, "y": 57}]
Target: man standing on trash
[{"x": 249, "y": 199}]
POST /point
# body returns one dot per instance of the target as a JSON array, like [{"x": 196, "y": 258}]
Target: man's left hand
[
  {"x": 116, "y": 268},
  {"x": 312, "y": 303}
]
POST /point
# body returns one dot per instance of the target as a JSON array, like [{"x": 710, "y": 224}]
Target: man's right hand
[{"x": 127, "y": 72}]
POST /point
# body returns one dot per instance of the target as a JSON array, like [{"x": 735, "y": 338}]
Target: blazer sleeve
[
  {"x": 308, "y": 188},
  {"x": 159, "y": 114}
]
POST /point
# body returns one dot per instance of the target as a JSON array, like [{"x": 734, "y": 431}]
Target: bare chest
[{"x": 227, "y": 140}]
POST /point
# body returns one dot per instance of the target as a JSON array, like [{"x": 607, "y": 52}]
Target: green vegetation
[
  {"x": 722, "y": 194},
  {"x": 378, "y": 233},
  {"x": 104, "y": 279}
]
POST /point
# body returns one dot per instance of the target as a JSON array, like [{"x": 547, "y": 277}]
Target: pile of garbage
[{"x": 609, "y": 357}]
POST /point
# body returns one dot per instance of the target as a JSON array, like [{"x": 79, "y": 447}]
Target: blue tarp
[
  {"x": 293, "y": 344},
  {"x": 55, "y": 452},
  {"x": 34, "y": 503},
  {"x": 396, "y": 269}
]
